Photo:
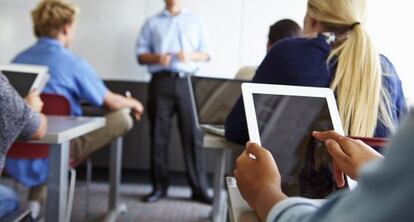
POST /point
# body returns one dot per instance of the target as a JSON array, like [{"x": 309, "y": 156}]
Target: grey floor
[{"x": 176, "y": 208}]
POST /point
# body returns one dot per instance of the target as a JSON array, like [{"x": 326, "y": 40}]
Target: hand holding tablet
[
  {"x": 33, "y": 101},
  {"x": 281, "y": 119}
]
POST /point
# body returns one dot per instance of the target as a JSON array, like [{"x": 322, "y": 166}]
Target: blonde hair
[
  {"x": 361, "y": 98},
  {"x": 50, "y": 16}
]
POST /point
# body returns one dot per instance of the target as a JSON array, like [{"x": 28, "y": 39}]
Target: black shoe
[
  {"x": 202, "y": 198},
  {"x": 155, "y": 196}
]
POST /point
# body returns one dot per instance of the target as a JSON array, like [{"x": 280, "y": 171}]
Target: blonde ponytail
[{"x": 361, "y": 98}]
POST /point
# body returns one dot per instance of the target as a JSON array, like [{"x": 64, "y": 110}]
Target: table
[
  {"x": 223, "y": 146},
  {"x": 115, "y": 206},
  {"x": 239, "y": 210},
  {"x": 60, "y": 130}
]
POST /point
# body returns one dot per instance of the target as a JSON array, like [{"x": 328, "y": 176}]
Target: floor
[{"x": 176, "y": 208}]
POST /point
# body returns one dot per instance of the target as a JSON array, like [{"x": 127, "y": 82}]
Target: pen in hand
[{"x": 128, "y": 94}]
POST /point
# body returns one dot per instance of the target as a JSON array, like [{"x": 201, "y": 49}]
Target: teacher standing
[{"x": 172, "y": 44}]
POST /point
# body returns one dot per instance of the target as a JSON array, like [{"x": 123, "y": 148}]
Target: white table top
[
  {"x": 64, "y": 128},
  {"x": 214, "y": 141},
  {"x": 239, "y": 210}
]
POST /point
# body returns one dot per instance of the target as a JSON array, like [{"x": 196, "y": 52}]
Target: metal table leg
[
  {"x": 115, "y": 208},
  {"x": 219, "y": 195},
  {"x": 57, "y": 185}
]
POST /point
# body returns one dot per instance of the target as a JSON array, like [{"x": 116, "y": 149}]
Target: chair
[{"x": 53, "y": 105}]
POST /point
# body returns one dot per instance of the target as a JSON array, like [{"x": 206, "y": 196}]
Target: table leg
[
  {"x": 57, "y": 184},
  {"x": 115, "y": 208},
  {"x": 219, "y": 195}
]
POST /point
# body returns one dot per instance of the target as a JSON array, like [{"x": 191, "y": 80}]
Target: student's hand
[
  {"x": 137, "y": 108},
  {"x": 33, "y": 101},
  {"x": 258, "y": 179},
  {"x": 164, "y": 59},
  {"x": 348, "y": 155},
  {"x": 182, "y": 57}
]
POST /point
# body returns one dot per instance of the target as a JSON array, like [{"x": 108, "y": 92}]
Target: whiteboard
[{"x": 107, "y": 30}]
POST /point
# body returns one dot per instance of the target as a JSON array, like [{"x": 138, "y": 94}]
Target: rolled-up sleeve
[
  {"x": 144, "y": 42},
  {"x": 203, "y": 46}
]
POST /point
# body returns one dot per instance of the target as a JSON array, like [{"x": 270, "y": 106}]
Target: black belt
[{"x": 171, "y": 74}]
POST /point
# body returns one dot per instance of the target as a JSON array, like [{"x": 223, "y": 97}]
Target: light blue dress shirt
[
  {"x": 385, "y": 191},
  {"x": 70, "y": 76},
  {"x": 165, "y": 33}
]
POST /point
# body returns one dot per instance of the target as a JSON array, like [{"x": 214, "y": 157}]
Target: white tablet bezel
[
  {"x": 248, "y": 89},
  {"x": 41, "y": 73}
]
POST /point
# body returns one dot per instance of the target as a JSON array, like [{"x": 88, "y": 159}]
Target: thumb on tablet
[{"x": 255, "y": 149}]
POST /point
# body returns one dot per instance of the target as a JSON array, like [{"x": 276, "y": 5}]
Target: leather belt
[{"x": 171, "y": 74}]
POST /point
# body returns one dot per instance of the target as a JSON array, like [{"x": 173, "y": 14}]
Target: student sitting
[
  {"x": 282, "y": 29},
  {"x": 18, "y": 117},
  {"x": 339, "y": 54},
  {"x": 384, "y": 192},
  {"x": 75, "y": 79}
]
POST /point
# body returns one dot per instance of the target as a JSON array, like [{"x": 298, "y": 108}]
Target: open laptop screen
[
  {"x": 214, "y": 98},
  {"x": 285, "y": 125}
]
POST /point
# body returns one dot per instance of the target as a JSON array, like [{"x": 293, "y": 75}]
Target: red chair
[{"x": 53, "y": 105}]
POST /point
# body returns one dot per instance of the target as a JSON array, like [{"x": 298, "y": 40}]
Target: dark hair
[{"x": 285, "y": 28}]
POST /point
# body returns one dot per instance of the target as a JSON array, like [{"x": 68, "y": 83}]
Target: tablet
[
  {"x": 282, "y": 118},
  {"x": 25, "y": 78}
]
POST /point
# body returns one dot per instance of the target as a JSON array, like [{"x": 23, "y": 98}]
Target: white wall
[{"x": 107, "y": 32}]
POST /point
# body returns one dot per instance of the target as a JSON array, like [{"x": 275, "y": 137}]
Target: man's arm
[
  {"x": 153, "y": 58},
  {"x": 193, "y": 56},
  {"x": 115, "y": 101}
]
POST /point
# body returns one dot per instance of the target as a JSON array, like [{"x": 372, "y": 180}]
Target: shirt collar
[
  {"x": 166, "y": 13},
  {"x": 49, "y": 40}
]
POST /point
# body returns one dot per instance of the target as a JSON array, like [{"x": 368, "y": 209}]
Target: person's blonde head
[
  {"x": 51, "y": 16},
  {"x": 358, "y": 79}
]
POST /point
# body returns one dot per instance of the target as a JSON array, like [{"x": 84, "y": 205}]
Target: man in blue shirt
[
  {"x": 172, "y": 43},
  {"x": 75, "y": 79}
]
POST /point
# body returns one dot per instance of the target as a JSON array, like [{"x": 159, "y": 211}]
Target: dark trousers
[{"x": 169, "y": 95}]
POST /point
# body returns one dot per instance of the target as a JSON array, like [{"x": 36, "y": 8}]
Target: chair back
[{"x": 53, "y": 105}]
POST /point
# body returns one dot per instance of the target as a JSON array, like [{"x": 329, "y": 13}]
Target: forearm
[
  {"x": 198, "y": 56},
  {"x": 149, "y": 58},
  {"x": 266, "y": 198},
  {"x": 114, "y": 101},
  {"x": 41, "y": 130}
]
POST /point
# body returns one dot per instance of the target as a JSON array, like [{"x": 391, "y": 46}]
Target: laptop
[
  {"x": 25, "y": 78},
  {"x": 213, "y": 99},
  {"x": 282, "y": 118}
]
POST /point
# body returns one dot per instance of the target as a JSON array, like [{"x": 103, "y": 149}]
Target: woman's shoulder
[
  {"x": 300, "y": 46},
  {"x": 388, "y": 70}
]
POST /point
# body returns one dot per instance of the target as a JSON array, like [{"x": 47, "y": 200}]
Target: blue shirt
[
  {"x": 302, "y": 62},
  {"x": 166, "y": 33},
  {"x": 384, "y": 192},
  {"x": 70, "y": 76}
]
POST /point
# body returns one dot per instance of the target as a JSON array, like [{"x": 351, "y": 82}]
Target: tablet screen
[
  {"x": 21, "y": 81},
  {"x": 285, "y": 126}
]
